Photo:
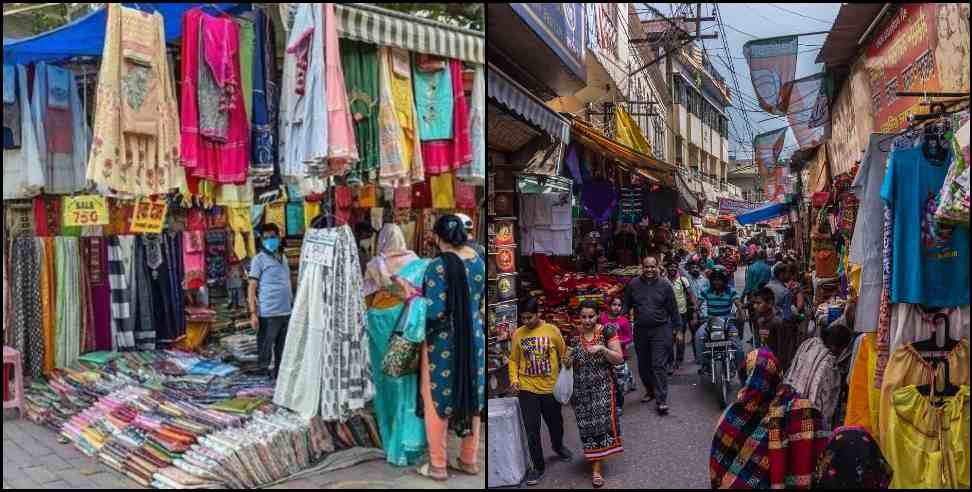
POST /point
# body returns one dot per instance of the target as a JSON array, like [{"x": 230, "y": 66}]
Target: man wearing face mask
[
  {"x": 656, "y": 317},
  {"x": 270, "y": 297}
]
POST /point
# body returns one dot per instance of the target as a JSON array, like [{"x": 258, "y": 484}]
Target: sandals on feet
[
  {"x": 428, "y": 471},
  {"x": 597, "y": 480},
  {"x": 464, "y": 468}
]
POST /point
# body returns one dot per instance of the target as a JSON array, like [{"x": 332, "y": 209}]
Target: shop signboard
[
  {"x": 85, "y": 210},
  {"x": 561, "y": 27},
  {"x": 921, "y": 47},
  {"x": 733, "y": 207},
  {"x": 149, "y": 215}
]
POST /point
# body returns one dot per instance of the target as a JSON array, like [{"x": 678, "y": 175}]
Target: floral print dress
[{"x": 440, "y": 340}]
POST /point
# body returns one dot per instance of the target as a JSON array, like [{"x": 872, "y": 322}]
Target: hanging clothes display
[
  {"x": 26, "y": 333},
  {"x": 400, "y": 159},
  {"x": 931, "y": 260},
  {"x": 45, "y": 247},
  {"x": 61, "y": 129},
  {"x": 146, "y": 256},
  {"x": 135, "y": 145},
  {"x": 342, "y": 148},
  {"x": 22, "y": 177},
  {"x": 361, "y": 76},
  {"x": 119, "y": 276},
  {"x": 326, "y": 367},
  {"x": 264, "y": 171},
  {"x": 11, "y": 109},
  {"x": 455, "y": 151},
  {"x": 546, "y": 225},
  {"x": 303, "y": 104},
  {"x": 433, "y": 97},
  {"x": 68, "y": 320},
  {"x": 867, "y": 233},
  {"x": 94, "y": 264},
  {"x": 475, "y": 172}
]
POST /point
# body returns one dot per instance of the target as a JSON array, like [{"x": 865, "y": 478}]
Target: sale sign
[
  {"x": 85, "y": 210},
  {"x": 149, "y": 215}
]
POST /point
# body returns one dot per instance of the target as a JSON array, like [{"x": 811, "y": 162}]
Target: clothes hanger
[
  {"x": 937, "y": 344},
  {"x": 939, "y": 341}
]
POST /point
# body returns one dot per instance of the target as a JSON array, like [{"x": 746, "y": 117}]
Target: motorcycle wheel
[{"x": 721, "y": 384}]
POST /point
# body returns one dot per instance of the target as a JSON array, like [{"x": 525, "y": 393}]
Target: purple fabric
[
  {"x": 599, "y": 199},
  {"x": 573, "y": 164},
  {"x": 100, "y": 292}
]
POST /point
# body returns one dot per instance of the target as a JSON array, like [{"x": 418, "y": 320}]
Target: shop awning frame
[
  {"x": 363, "y": 22},
  {"x": 645, "y": 165},
  {"x": 765, "y": 213},
  {"x": 513, "y": 97}
]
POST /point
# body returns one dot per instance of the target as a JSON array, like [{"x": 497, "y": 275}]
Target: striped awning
[
  {"x": 363, "y": 22},
  {"x": 508, "y": 93}
]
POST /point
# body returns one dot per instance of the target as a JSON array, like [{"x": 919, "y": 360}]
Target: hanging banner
[
  {"x": 149, "y": 215},
  {"x": 728, "y": 206},
  {"x": 808, "y": 110},
  {"x": 921, "y": 47},
  {"x": 768, "y": 146},
  {"x": 85, "y": 210},
  {"x": 772, "y": 66},
  {"x": 626, "y": 131}
]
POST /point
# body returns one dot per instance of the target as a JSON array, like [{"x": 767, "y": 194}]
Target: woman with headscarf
[
  {"x": 852, "y": 460},
  {"x": 770, "y": 437},
  {"x": 392, "y": 284},
  {"x": 453, "y": 367}
]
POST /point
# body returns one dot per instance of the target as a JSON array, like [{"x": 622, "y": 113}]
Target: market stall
[{"x": 143, "y": 147}]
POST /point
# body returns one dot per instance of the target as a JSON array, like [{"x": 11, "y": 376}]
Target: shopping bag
[{"x": 565, "y": 385}]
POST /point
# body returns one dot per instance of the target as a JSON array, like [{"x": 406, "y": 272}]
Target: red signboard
[{"x": 921, "y": 47}]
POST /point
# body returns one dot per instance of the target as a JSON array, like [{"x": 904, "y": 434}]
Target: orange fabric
[
  {"x": 367, "y": 196},
  {"x": 863, "y": 397},
  {"x": 48, "y": 286},
  {"x": 437, "y": 429}
]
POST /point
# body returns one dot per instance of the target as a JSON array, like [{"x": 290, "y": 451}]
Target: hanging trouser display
[{"x": 325, "y": 368}]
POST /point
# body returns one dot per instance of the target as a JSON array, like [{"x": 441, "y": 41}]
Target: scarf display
[
  {"x": 94, "y": 267},
  {"x": 475, "y": 172},
  {"x": 400, "y": 157},
  {"x": 326, "y": 366},
  {"x": 442, "y": 156},
  {"x": 119, "y": 276},
  {"x": 68, "y": 327},
  {"x": 852, "y": 460},
  {"x": 135, "y": 146},
  {"x": 770, "y": 437},
  {"x": 26, "y": 330}
]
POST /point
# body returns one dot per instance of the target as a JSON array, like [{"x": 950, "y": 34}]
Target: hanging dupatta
[{"x": 442, "y": 156}]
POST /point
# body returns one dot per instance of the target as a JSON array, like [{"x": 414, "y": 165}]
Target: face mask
[{"x": 271, "y": 244}]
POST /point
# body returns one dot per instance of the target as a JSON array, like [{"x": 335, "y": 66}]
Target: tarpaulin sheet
[
  {"x": 86, "y": 36},
  {"x": 762, "y": 214}
]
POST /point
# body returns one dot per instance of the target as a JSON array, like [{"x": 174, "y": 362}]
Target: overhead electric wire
[{"x": 797, "y": 13}]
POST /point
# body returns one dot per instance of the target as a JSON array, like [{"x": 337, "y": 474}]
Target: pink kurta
[{"x": 342, "y": 148}]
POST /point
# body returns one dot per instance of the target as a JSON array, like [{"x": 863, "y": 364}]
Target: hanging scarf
[
  {"x": 68, "y": 313},
  {"x": 393, "y": 255},
  {"x": 464, "y": 393},
  {"x": 852, "y": 460}
]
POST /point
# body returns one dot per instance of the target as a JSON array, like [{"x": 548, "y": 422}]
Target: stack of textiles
[{"x": 270, "y": 447}]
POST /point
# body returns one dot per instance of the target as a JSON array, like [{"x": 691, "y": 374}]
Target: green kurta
[{"x": 360, "y": 63}]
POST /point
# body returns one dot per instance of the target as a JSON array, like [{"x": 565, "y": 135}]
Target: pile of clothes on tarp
[{"x": 172, "y": 420}]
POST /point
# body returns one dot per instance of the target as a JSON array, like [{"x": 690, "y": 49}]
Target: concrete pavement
[{"x": 33, "y": 459}]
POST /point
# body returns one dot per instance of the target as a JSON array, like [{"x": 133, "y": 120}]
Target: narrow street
[{"x": 668, "y": 452}]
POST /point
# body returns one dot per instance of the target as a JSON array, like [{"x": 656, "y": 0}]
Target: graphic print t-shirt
[
  {"x": 535, "y": 358},
  {"x": 930, "y": 261}
]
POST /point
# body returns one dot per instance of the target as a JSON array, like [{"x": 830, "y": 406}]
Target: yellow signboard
[
  {"x": 85, "y": 210},
  {"x": 149, "y": 215}
]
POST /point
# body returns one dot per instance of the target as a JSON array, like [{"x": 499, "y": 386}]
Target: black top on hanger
[{"x": 931, "y": 345}]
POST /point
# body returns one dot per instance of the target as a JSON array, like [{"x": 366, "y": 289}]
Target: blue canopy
[
  {"x": 762, "y": 214},
  {"x": 86, "y": 36}
]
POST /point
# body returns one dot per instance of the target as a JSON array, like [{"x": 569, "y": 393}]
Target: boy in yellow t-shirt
[{"x": 537, "y": 351}]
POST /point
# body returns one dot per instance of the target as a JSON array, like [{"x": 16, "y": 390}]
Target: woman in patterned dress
[
  {"x": 453, "y": 367},
  {"x": 594, "y": 353}
]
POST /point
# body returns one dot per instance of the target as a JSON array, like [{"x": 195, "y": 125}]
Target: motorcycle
[{"x": 720, "y": 346}]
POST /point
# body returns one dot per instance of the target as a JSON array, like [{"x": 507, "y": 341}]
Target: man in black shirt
[{"x": 656, "y": 318}]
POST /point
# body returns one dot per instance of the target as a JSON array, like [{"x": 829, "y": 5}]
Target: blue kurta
[{"x": 440, "y": 340}]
